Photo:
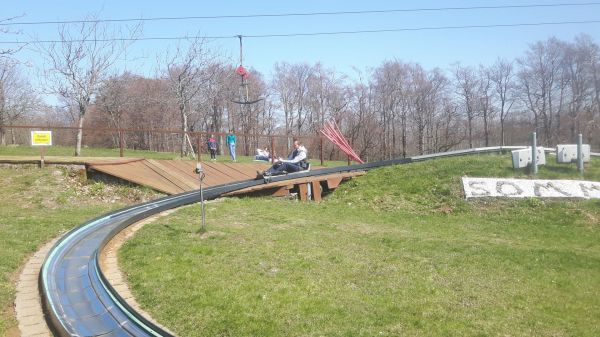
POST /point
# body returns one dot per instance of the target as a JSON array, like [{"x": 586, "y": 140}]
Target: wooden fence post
[
  {"x": 322, "y": 151},
  {"x": 121, "y": 143}
]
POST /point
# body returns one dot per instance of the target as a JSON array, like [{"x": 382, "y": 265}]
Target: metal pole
[
  {"x": 534, "y": 153},
  {"x": 203, "y": 229},
  {"x": 200, "y": 173},
  {"x": 241, "y": 54},
  {"x": 42, "y": 153},
  {"x": 580, "y": 153}
]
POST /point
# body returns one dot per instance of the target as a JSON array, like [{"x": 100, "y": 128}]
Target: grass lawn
[
  {"x": 397, "y": 252},
  {"x": 67, "y": 151},
  {"x": 36, "y": 205}
]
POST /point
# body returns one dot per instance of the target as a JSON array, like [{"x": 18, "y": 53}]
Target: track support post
[{"x": 200, "y": 172}]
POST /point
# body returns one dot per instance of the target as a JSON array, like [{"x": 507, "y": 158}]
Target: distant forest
[{"x": 393, "y": 110}]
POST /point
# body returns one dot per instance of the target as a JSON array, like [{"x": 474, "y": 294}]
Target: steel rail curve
[{"x": 77, "y": 298}]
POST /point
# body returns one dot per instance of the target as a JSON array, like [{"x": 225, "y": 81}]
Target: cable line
[
  {"x": 315, "y": 33},
  {"x": 275, "y": 15},
  {"x": 424, "y": 28}
]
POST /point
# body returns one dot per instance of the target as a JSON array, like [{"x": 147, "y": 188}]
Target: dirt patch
[
  {"x": 12, "y": 331},
  {"x": 209, "y": 234}
]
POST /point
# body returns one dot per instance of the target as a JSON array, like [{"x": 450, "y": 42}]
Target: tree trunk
[
  {"x": 79, "y": 136},
  {"x": 470, "y": 120},
  {"x": 485, "y": 129},
  {"x": 404, "y": 135},
  {"x": 502, "y": 138},
  {"x": 2, "y": 122},
  {"x": 184, "y": 128}
]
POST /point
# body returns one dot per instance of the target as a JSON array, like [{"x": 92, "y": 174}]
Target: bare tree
[
  {"x": 578, "y": 69},
  {"x": 218, "y": 97},
  {"x": 283, "y": 88},
  {"x": 326, "y": 97},
  {"x": 466, "y": 85},
  {"x": 448, "y": 131},
  {"x": 391, "y": 81},
  {"x": 427, "y": 91},
  {"x": 362, "y": 120},
  {"x": 291, "y": 82},
  {"x": 188, "y": 72},
  {"x": 485, "y": 102},
  {"x": 502, "y": 76},
  {"x": 78, "y": 65},
  {"x": 17, "y": 98},
  {"x": 540, "y": 79},
  {"x": 114, "y": 100},
  {"x": 4, "y": 29},
  {"x": 249, "y": 121},
  {"x": 593, "y": 122}
]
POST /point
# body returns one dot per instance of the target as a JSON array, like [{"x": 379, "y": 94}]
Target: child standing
[{"x": 212, "y": 147}]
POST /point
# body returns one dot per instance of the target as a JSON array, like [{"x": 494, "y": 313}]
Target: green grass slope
[
  {"x": 397, "y": 252},
  {"x": 36, "y": 205}
]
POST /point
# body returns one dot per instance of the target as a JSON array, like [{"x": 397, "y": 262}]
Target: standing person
[
  {"x": 231, "y": 143},
  {"x": 297, "y": 161},
  {"x": 212, "y": 147}
]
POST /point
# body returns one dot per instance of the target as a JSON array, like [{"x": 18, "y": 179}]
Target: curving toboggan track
[{"x": 77, "y": 298}]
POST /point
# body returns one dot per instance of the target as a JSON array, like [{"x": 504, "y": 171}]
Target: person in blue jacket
[{"x": 230, "y": 140}]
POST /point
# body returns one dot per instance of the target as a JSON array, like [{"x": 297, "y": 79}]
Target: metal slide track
[{"x": 77, "y": 298}]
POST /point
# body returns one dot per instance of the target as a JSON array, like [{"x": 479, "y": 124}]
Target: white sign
[
  {"x": 526, "y": 188},
  {"x": 41, "y": 138}
]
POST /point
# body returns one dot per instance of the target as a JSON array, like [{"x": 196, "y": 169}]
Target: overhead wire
[
  {"x": 265, "y": 15},
  {"x": 525, "y": 24}
]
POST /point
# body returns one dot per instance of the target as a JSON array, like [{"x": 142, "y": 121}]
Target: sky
[{"x": 346, "y": 53}]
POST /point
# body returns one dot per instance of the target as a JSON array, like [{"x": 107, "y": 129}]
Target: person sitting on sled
[
  {"x": 297, "y": 161},
  {"x": 263, "y": 155}
]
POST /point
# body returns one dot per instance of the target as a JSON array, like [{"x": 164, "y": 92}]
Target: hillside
[{"x": 397, "y": 252}]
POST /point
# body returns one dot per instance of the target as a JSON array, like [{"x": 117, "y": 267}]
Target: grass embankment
[
  {"x": 36, "y": 205},
  {"x": 398, "y": 252}
]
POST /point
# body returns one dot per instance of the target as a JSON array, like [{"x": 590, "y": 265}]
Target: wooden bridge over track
[{"x": 177, "y": 176}]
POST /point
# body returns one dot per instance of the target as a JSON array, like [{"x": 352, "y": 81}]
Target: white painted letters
[{"x": 527, "y": 188}]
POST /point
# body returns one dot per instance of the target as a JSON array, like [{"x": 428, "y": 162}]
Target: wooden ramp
[{"x": 176, "y": 176}]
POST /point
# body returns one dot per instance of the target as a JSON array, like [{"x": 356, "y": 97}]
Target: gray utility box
[
  {"x": 522, "y": 158},
  {"x": 567, "y": 153}
]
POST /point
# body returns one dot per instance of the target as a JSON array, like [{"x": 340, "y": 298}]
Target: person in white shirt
[{"x": 297, "y": 161}]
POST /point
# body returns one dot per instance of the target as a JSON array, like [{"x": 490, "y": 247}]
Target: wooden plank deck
[
  {"x": 174, "y": 176},
  {"x": 177, "y": 176},
  {"x": 316, "y": 185}
]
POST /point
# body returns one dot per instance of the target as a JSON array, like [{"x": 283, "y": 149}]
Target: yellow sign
[{"x": 41, "y": 138}]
